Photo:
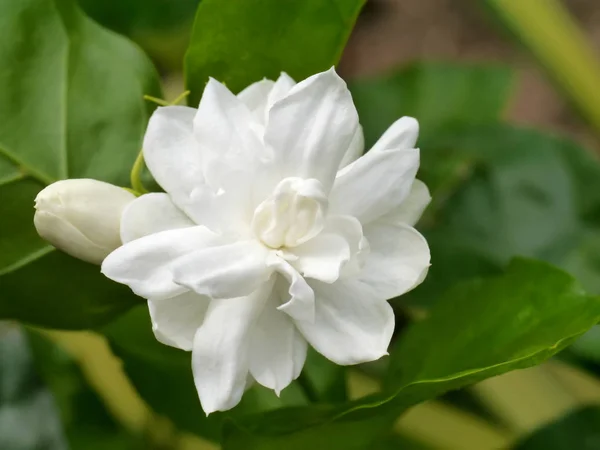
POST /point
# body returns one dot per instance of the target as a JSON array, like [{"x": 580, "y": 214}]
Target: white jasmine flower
[
  {"x": 271, "y": 233},
  {"x": 81, "y": 217}
]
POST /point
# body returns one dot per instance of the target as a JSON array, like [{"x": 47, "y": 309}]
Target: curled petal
[
  {"x": 352, "y": 323},
  {"x": 398, "y": 261},
  {"x": 411, "y": 209},
  {"x": 301, "y": 303},
  {"x": 326, "y": 255},
  {"x": 176, "y": 320}
]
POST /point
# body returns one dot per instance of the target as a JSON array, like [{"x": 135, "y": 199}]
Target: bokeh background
[{"x": 389, "y": 33}]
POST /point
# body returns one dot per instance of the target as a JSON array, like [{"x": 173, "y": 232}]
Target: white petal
[
  {"x": 176, "y": 320},
  {"x": 226, "y": 131},
  {"x": 171, "y": 152},
  {"x": 220, "y": 355},
  {"x": 311, "y": 128},
  {"x": 398, "y": 260},
  {"x": 411, "y": 209},
  {"x": 255, "y": 98},
  {"x": 356, "y": 149},
  {"x": 301, "y": 303},
  {"x": 277, "y": 349},
  {"x": 401, "y": 134},
  {"x": 323, "y": 257},
  {"x": 227, "y": 271},
  {"x": 145, "y": 264},
  {"x": 282, "y": 87},
  {"x": 352, "y": 324},
  {"x": 234, "y": 158},
  {"x": 374, "y": 184},
  {"x": 149, "y": 214}
]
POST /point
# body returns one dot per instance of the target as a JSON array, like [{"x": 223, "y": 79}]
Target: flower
[
  {"x": 81, "y": 217},
  {"x": 271, "y": 233}
]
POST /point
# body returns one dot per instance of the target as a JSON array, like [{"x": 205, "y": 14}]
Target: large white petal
[
  {"x": 352, "y": 324},
  {"x": 277, "y": 349},
  {"x": 149, "y": 214},
  {"x": 299, "y": 298},
  {"x": 171, "y": 152},
  {"x": 220, "y": 355},
  {"x": 145, "y": 264},
  {"x": 229, "y": 136},
  {"x": 255, "y": 98},
  {"x": 411, "y": 209},
  {"x": 282, "y": 87},
  {"x": 398, "y": 261},
  {"x": 374, "y": 184},
  {"x": 176, "y": 320},
  {"x": 356, "y": 149},
  {"x": 227, "y": 271},
  {"x": 311, "y": 128},
  {"x": 235, "y": 160},
  {"x": 403, "y": 133}
]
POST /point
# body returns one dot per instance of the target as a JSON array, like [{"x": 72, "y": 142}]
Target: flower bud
[{"x": 81, "y": 217}]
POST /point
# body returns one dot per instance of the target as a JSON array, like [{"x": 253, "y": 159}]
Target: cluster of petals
[{"x": 273, "y": 232}]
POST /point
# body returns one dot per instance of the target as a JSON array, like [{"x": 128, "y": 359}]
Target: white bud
[{"x": 81, "y": 217}]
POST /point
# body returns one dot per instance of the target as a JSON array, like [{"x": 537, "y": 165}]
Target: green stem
[{"x": 136, "y": 174}]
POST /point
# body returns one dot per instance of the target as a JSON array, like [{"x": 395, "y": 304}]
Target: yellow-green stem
[{"x": 136, "y": 174}]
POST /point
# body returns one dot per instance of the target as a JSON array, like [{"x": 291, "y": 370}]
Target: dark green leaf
[
  {"x": 579, "y": 430},
  {"x": 72, "y": 107},
  {"x": 477, "y": 330},
  {"x": 327, "y": 381},
  {"x": 239, "y": 42}
]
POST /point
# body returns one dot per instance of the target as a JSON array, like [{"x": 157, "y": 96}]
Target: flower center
[{"x": 292, "y": 214}]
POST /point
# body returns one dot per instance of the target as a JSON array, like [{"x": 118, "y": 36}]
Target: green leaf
[
  {"x": 397, "y": 442},
  {"x": 239, "y": 42},
  {"x": 518, "y": 180},
  {"x": 327, "y": 381},
  {"x": 579, "y": 430},
  {"x": 439, "y": 95},
  {"x": 151, "y": 366},
  {"x": 74, "y": 110},
  {"x": 478, "y": 330},
  {"x": 511, "y": 181}
]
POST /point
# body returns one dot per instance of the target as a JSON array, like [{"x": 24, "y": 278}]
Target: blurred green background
[{"x": 449, "y": 63}]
